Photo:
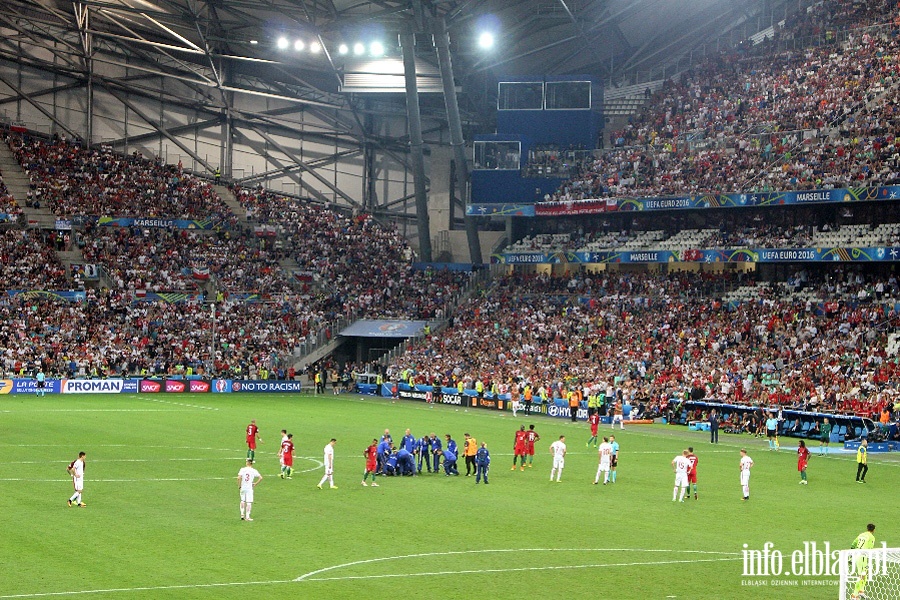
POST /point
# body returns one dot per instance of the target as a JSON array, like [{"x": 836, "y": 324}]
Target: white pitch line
[
  {"x": 124, "y": 480},
  {"x": 121, "y": 446},
  {"x": 180, "y": 404},
  {"x": 147, "y": 589},
  {"x": 127, "y": 460},
  {"x": 89, "y": 410},
  {"x": 502, "y": 550},
  {"x": 318, "y": 465},
  {"x": 519, "y": 569}
]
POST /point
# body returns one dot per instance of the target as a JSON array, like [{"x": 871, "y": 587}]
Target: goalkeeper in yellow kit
[{"x": 864, "y": 541}]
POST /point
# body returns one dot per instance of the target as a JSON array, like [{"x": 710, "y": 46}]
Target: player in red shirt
[
  {"x": 519, "y": 448},
  {"x": 252, "y": 439},
  {"x": 531, "y": 436},
  {"x": 802, "y": 460},
  {"x": 371, "y": 454},
  {"x": 594, "y": 421},
  {"x": 287, "y": 457},
  {"x": 692, "y": 472}
]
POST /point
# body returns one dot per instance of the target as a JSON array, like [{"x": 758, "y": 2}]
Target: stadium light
[
  {"x": 315, "y": 47},
  {"x": 253, "y": 42},
  {"x": 359, "y": 49},
  {"x": 299, "y": 45},
  {"x": 486, "y": 40},
  {"x": 343, "y": 49},
  {"x": 282, "y": 43},
  {"x": 376, "y": 49}
]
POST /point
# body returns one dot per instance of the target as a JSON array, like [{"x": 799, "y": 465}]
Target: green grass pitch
[{"x": 162, "y": 517}]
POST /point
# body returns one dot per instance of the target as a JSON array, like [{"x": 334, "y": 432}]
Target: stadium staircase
[
  {"x": 18, "y": 184},
  {"x": 71, "y": 257},
  {"x": 620, "y": 103},
  {"x": 231, "y": 201}
]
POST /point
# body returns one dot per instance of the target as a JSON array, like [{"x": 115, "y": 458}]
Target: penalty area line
[
  {"x": 521, "y": 569},
  {"x": 153, "y": 588},
  {"x": 503, "y": 551}
]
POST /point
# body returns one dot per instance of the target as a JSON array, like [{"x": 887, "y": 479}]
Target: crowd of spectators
[
  {"x": 8, "y": 204},
  {"x": 657, "y": 338},
  {"x": 73, "y": 180},
  {"x": 109, "y": 334},
  {"x": 788, "y": 120},
  {"x": 181, "y": 259},
  {"x": 28, "y": 262},
  {"x": 363, "y": 267}
]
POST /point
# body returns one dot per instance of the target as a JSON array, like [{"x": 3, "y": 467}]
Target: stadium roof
[
  {"x": 202, "y": 57},
  {"x": 194, "y": 40}
]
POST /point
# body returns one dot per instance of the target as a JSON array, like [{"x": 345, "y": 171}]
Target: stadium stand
[
  {"x": 664, "y": 335},
  {"x": 784, "y": 116},
  {"x": 799, "y": 117}
]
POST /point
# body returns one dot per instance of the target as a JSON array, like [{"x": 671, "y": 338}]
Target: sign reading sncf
[
  {"x": 150, "y": 387},
  {"x": 174, "y": 387},
  {"x": 198, "y": 386}
]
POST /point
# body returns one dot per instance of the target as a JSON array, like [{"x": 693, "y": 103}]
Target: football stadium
[{"x": 450, "y": 298}]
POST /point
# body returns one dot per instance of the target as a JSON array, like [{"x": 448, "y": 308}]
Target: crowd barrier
[{"x": 557, "y": 408}]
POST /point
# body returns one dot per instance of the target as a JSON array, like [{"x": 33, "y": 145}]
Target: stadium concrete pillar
[
  {"x": 82, "y": 17},
  {"x": 416, "y": 144},
  {"x": 442, "y": 45},
  {"x": 370, "y": 175},
  {"x": 227, "y": 161}
]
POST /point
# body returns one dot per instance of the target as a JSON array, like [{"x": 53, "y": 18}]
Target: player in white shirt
[
  {"x": 248, "y": 477},
  {"x": 284, "y": 438},
  {"x": 605, "y": 453},
  {"x": 329, "y": 464},
  {"x": 515, "y": 398},
  {"x": 680, "y": 464},
  {"x": 558, "y": 450},
  {"x": 746, "y": 465},
  {"x": 76, "y": 470}
]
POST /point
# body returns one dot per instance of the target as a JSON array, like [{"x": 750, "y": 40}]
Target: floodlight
[
  {"x": 253, "y": 42},
  {"x": 343, "y": 49},
  {"x": 376, "y": 49},
  {"x": 358, "y": 48},
  {"x": 486, "y": 40},
  {"x": 283, "y": 43},
  {"x": 315, "y": 47},
  {"x": 299, "y": 45}
]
